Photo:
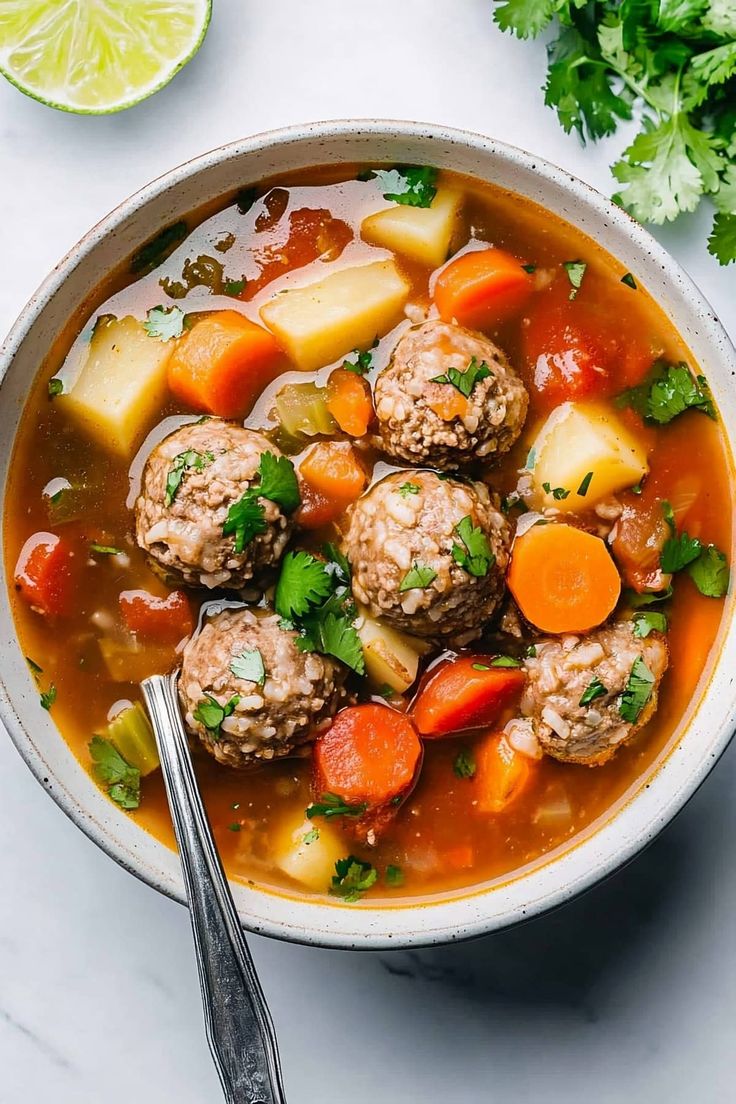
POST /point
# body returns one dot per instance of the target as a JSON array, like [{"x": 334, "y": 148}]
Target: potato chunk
[
  {"x": 307, "y": 851},
  {"x": 121, "y": 385},
  {"x": 579, "y": 438},
  {"x": 421, "y": 233},
  {"x": 391, "y": 657},
  {"x": 320, "y": 323}
]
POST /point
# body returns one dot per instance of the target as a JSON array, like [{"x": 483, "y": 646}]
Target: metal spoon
[{"x": 240, "y": 1031}]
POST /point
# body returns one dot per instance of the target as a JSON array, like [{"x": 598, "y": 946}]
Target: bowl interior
[{"x": 70, "y": 288}]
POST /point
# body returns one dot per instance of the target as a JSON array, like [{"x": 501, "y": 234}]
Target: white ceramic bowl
[{"x": 705, "y": 732}]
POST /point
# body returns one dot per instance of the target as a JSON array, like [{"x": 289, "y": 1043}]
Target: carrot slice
[
  {"x": 369, "y": 757},
  {"x": 464, "y": 693},
  {"x": 563, "y": 579},
  {"x": 43, "y": 574},
  {"x": 333, "y": 470},
  {"x": 501, "y": 774},
  {"x": 349, "y": 402},
  {"x": 223, "y": 364},
  {"x": 163, "y": 620},
  {"x": 482, "y": 288}
]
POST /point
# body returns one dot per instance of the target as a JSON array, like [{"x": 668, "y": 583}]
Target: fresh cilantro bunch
[
  {"x": 314, "y": 597},
  {"x": 670, "y": 63}
]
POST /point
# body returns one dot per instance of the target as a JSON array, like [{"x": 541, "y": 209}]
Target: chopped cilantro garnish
[
  {"x": 407, "y": 489},
  {"x": 236, "y": 826},
  {"x": 505, "y": 661},
  {"x": 474, "y": 555},
  {"x": 671, "y": 390},
  {"x": 648, "y": 598},
  {"x": 531, "y": 651},
  {"x": 585, "y": 485},
  {"x": 394, "y": 875},
  {"x": 56, "y": 387},
  {"x": 558, "y": 493},
  {"x": 363, "y": 360},
  {"x": 105, "y": 550},
  {"x": 185, "y": 461},
  {"x": 164, "y": 324},
  {"x": 34, "y": 666},
  {"x": 480, "y": 666},
  {"x": 311, "y": 836},
  {"x": 234, "y": 287},
  {"x": 678, "y": 552},
  {"x": 575, "y": 271},
  {"x": 529, "y": 268},
  {"x": 669, "y": 516},
  {"x": 314, "y": 597},
  {"x": 331, "y": 805},
  {"x": 386, "y": 692},
  {"x": 419, "y": 577},
  {"x": 248, "y": 665},
  {"x": 48, "y": 697},
  {"x": 246, "y": 518},
  {"x": 464, "y": 765},
  {"x": 464, "y": 382},
  {"x": 710, "y": 572},
  {"x": 211, "y": 714},
  {"x": 531, "y": 459},
  {"x": 638, "y": 691},
  {"x": 649, "y": 621},
  {"x": 123, "y": 782},
  {"x": 629, "y": 280},
  {"x": 593, "y": 690},
  {"x": 352, "y": 878},
  {"x": 410, "y": 185}
]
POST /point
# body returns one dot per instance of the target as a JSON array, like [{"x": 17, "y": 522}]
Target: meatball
[
  {"x": 278, "y": 699},
  {"x": 411, "y": 564},
  {"x": 190, "y": 481},
  {"x": 426, "y": 422},
  {"x": 597, "y": 669}
]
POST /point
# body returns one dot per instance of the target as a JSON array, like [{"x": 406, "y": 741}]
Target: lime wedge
[{"x": 97, "y": 56}]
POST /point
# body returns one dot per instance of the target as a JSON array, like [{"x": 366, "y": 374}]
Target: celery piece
[
  {"x": 302, "y": 409},
  {"x": 131, "y": 733}
]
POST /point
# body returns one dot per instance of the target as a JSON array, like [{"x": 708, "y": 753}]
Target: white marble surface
[{"x": 626, "y": 995}]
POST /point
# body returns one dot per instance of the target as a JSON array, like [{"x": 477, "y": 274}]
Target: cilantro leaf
[
  {"x": 647, "y": 598},
  {"x": 637, "y": 692},
  {"x": 304, "y": 582},
  {"x": 234, "y": 287},
  {"x": 558, "y": 493},
  {"x": 211, "y": 714},
  {"x": 105, "y": 550},
  {"x": 332, "y": 805},
  {"x": 245, "y": 520},
  {"x": 311, "y": 836},
  {"x": 676, "y": 391},
  {"x": 464, "y": 765},
  {"x": 248, "y": 665},
  {"x": 524, "y": 18},
  {"x": 410, "y": 185},
  {"x": 185, "y": 461},
  {"x": 629, "y": 280},
  {"x": 363, "y": 361},
  {"x": 407, "y": 489},
  {"x": 504, "y": 661},
  {"x": 464, "y": 382},
  {"x": 333, "y": 633},
  {"x": 352, "y": 878},
  {"x": 575, "y": 272},
  {"x": 648, "y": 622},
  {"x": 164, "y": 324},
  {"x": 55, "y": 387},
  {"x": 594, "y": 689},
  {"x": 710, "y": 572},
  {"x": 722, "y": 241},
  {"x": 278, "y": 482},
  {"x": 394, "y": 875},
  {"x": 48, "y": 697},
  {"x": 123, "y": 782},
  {"x": 419, "y": 577},
  {"x": 678, "y": 552},
  {"x": 475, "y": 555}
]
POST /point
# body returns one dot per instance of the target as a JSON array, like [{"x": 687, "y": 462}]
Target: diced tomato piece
[
  {"x": 43, "y": 574},
  {"x": 331, "y": 476},
  {"x": 316, "y": 509},
  {"x": 313, "y": 233},
  {"x": 163, "y": 620},
  {"x": 464, "y": 693}
]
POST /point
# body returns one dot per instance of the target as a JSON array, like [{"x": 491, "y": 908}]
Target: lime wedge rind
[{"x": 85, "y": 57}]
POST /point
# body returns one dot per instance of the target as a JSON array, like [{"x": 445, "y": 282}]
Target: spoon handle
[{"x": 239, "y": 1027}]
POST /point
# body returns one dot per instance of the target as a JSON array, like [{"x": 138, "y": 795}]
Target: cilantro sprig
[
  {"x": 313, "y": 597},
  {"x": 332, "y": 805},
  {"x": 671, "y": 67},
  {"x": 352, "y": 878},
  {"x": 637, "y": 692},
  {"x": 246, "y": 518},
  {"x": 165, "y": 324},
  {"x": 464, "y": 381},
  {"x": 473, "y": 554},
  {"x": 410, "y": 185},
  {"x": 191, "y": 460},
  {"x": 211, "y": 713},
  {"x": 670, "y": 390},
  {"x": 121, "y": 780}
]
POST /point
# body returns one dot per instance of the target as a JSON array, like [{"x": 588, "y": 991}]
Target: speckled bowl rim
[{"x": 637, "y": 819}]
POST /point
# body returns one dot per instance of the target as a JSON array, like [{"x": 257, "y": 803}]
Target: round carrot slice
[
  {"x": 563, "y": 579},
  {"x": 369, "y": 756}
]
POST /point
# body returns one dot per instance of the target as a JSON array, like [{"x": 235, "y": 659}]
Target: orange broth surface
[{"x": 305, "y": 226}]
